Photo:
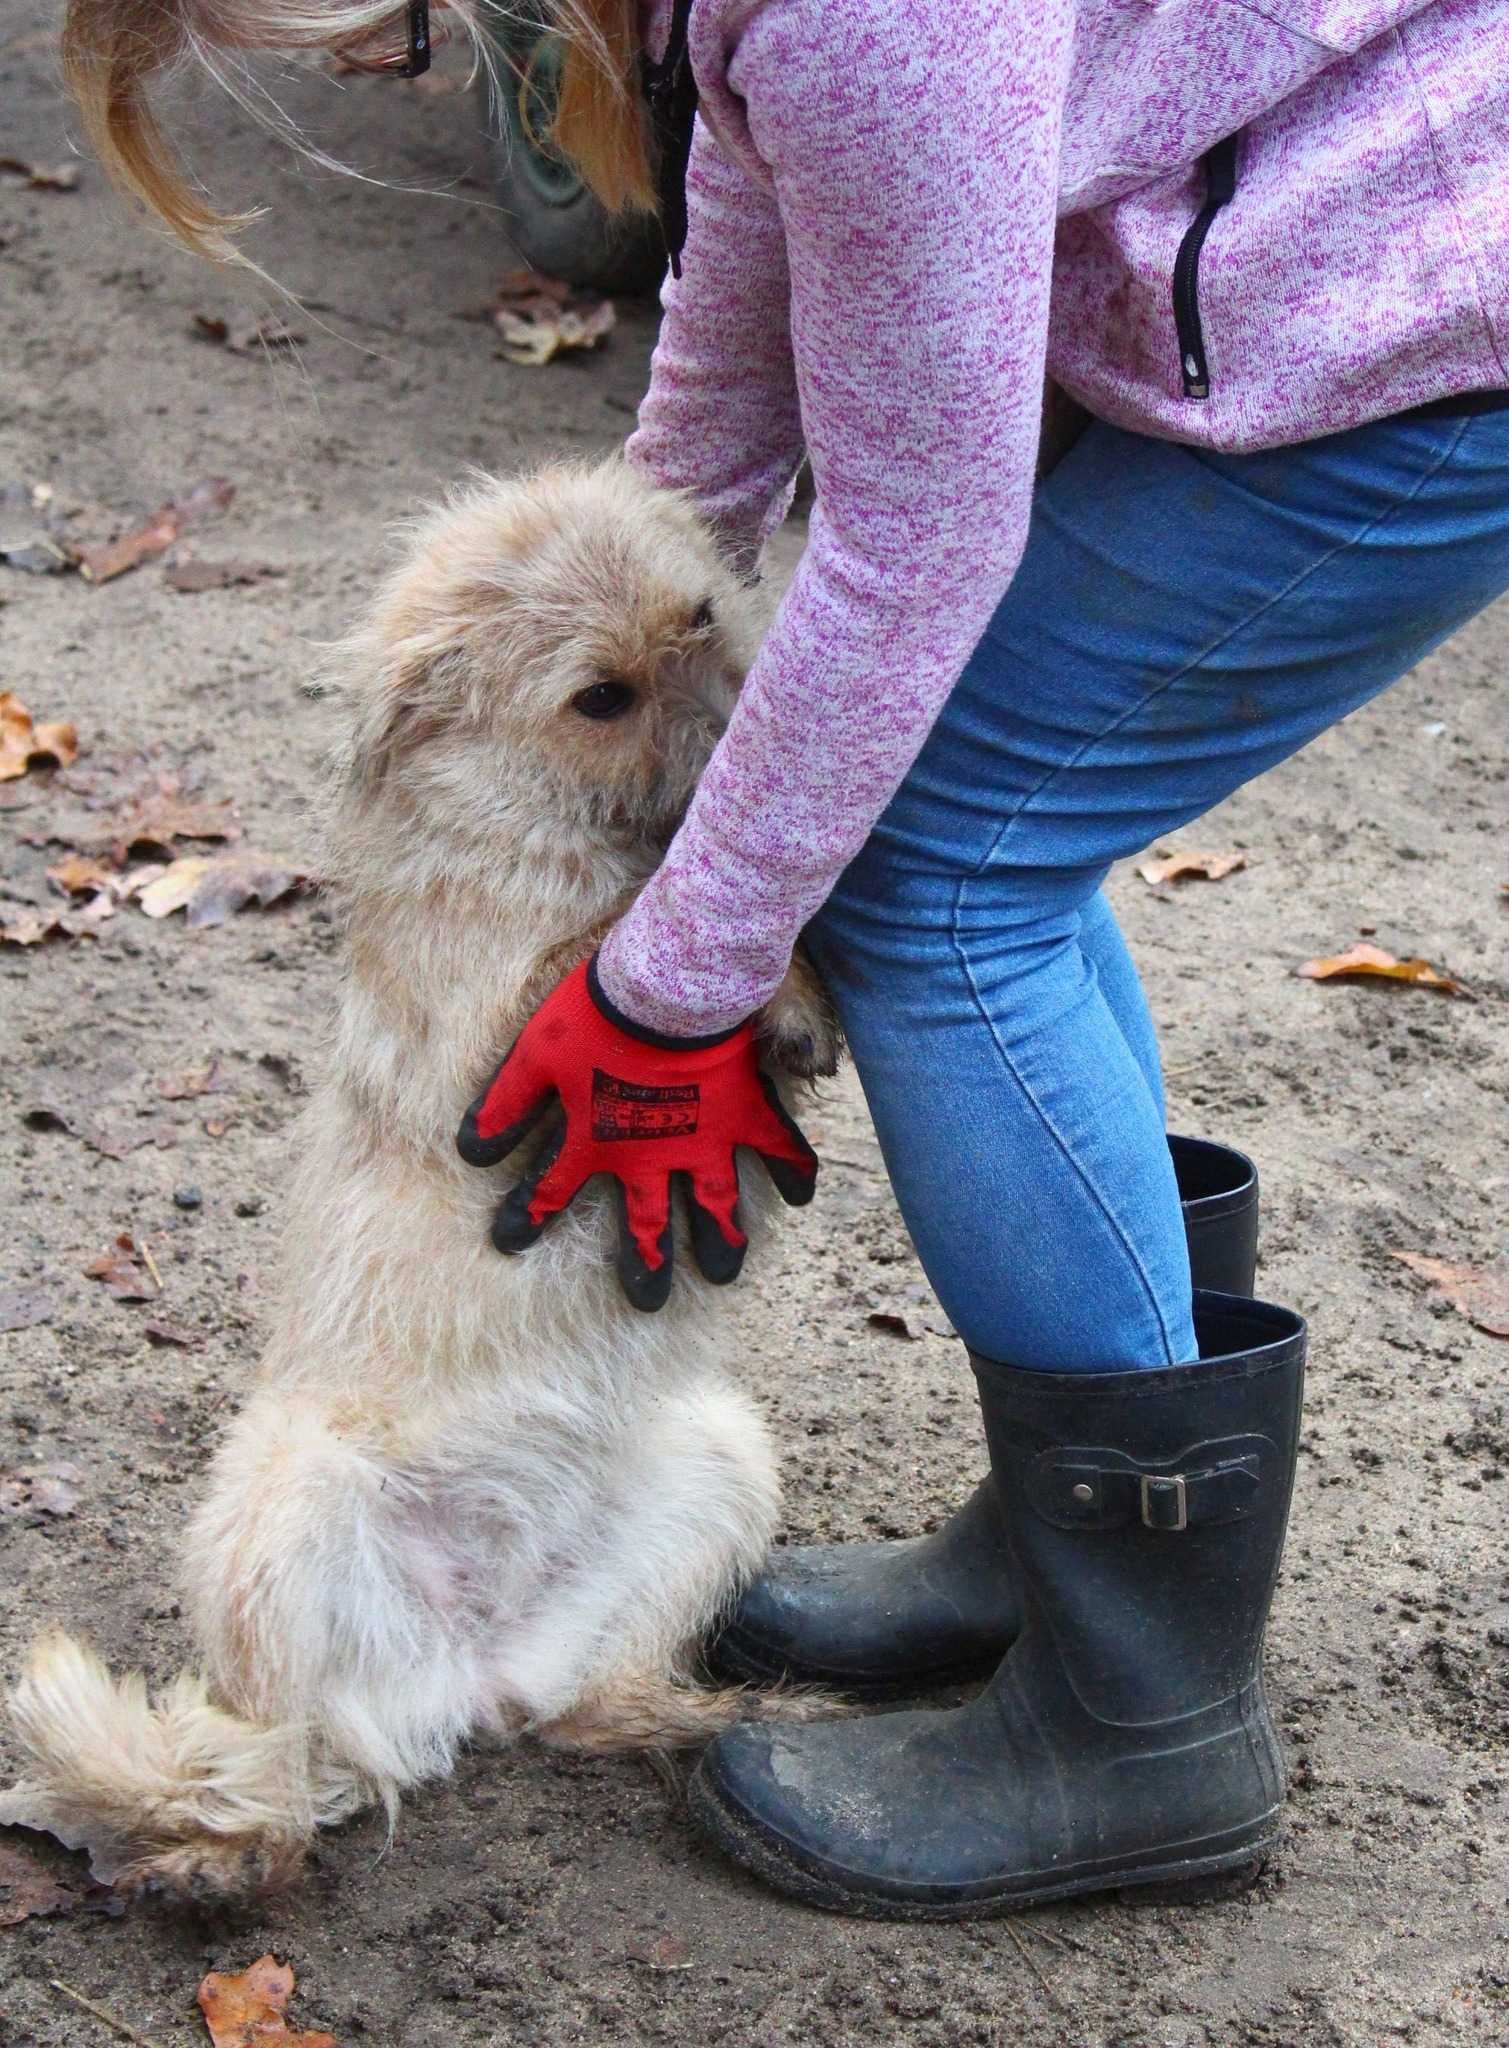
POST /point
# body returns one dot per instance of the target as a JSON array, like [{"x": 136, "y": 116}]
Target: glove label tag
[{"x": 627, "y": 1109}]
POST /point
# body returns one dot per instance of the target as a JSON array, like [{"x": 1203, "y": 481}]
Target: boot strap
[{"x": 1106, "y": 1489}]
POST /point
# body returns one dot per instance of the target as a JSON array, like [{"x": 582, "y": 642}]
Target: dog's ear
[{"x": 399, "y": 719}]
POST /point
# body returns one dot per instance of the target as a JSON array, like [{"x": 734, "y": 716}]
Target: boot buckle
[{"x": 1162, "y": 1491}]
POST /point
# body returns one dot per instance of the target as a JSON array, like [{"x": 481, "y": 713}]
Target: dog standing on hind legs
[{"x": 468, "y": 1493}]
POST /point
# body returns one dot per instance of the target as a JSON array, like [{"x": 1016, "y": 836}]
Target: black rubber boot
[
  {"x": 1125, "y": 1741},
  {"x": 882, "y": 1618}
]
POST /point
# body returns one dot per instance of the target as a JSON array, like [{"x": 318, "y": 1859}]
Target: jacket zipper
[{"x": 1220, "y": 188}]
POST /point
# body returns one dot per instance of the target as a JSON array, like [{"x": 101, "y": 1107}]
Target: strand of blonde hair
[{"x": 116, "y": 52}]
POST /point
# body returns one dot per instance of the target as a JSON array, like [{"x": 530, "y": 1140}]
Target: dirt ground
[{"x": 523, "y": 1902}]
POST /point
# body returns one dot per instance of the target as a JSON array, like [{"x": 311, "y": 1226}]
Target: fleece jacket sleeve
[{"x": 912, "y": 151}]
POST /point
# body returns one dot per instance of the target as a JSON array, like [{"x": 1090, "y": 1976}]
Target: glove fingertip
[
  {"x": 795, "y": 1184},
  {"x": 647, "y": 1288},
  {"x": 470, "y": 1143},
  {"x": 514, "y": 1229}
]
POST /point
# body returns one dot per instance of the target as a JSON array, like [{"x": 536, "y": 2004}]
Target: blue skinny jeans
[{"x": 1180, "y": 622}]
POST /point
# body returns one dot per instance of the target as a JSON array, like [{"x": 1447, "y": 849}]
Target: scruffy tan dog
[{"x": 469, "y": 1493}]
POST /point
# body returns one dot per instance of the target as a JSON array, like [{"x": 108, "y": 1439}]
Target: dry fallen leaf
[
  {"x": 173, "y": 1334},
  {"x": 191, "y": 577},
  {"x": 1178, "y": 867},
  {"x": 248, "y": 338},
  {"x": 40, "y": 1489},
  {"x": 661, "y": 1952},
  {"x": 246, "y": 2010},
  {"x": 537, "y": 318},
  {"x": 893, "y": 1325},
  {"x": 123, "y": 1271},
  {"x": 79, "y": 875},
  {"x": 534, "y": 338},
  {"x": 112, "y": 1141},
  {"x": 193, "y": 1081},
  {"x": 27, "y": 1892},
  {"x": 151, "y": 820},
  {"x": 209, "y": 890},
  {"x": 157, "y": 535},
  {"x": 16, "y": 170},
  {"x": 22, "y": 1308},
  {"x": 1368, "y": 962},
  {"x": 1481, "y": 1293},
  {"x": 21, "y": 925},
  {"x": 23, "y": 743},
  {"x": 40, "y": 556}
]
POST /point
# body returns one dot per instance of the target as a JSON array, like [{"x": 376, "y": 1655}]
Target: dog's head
[{"x": 558, "y": 652}]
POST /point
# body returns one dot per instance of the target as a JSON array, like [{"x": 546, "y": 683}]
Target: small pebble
[{"x": 187, "y": 1198}]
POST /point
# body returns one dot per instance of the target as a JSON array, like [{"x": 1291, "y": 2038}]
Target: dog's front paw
[{"x": 798, "y": 1028}]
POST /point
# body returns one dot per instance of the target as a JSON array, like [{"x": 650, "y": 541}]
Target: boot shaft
[
  {"x": 1145, "y": 1512},
  {"x": 1218, "y": 1193}
]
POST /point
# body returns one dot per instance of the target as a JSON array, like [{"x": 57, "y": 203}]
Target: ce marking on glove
[{"x": 630, "y": 1109}]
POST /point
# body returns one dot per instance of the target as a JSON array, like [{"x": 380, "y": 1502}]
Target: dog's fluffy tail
[
  {"x": 174, "y": 1793},
  {"x": 654, "y": 1712}
]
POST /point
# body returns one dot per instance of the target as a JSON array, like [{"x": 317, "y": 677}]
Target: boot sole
[
  {"x": 1178, "y": 1880},
  {"x": 732, "y": 1661}
]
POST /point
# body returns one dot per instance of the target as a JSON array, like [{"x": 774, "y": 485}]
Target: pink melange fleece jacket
[{"x": 901, "y": 213}]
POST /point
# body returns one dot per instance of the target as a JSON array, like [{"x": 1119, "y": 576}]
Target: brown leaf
[
  {"x": 22, "y": 1308},
  {"x": 1365, "y": 961},
  {"x": 660, "y": 1952},
  {"x": 23, "y": 743},
  {"x": 40, "y": 1489},
  {"x": 79, "y": 875},
  {"x": 246, "y": 2010},
  {"x": 524, "y": 283},
  {"x": 248, "y": 338},
  {"x": 152, "y": 821},
  {"x": 193, "y": 1081},
  {"x": 123, "y": 1271},
  {"x": 156, "y": 827},
  {"x": 114, "y": 558},
  {"x": 193, "y": 576},
  {"x": 27, "y": 1892},
  {"x": 16, "y": 170},
  {"x": 111, "y": 1141},
  {"x": 20, "y": 925},
  {"x": 893, "y": 1325},
  {"x": 1481, "y": 1293},
  {"x": 1178, "y": 867},
  {"x": 209, "y": 890},
  {"x": 171, "y": 1333}
]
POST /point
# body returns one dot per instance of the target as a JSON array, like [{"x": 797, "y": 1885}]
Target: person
[{"x": 1266, "y": 247}]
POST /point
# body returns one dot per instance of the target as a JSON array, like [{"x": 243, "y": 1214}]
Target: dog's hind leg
[
  {"x": 336, "y": 1676},
  {"x": 693, "y": 1513}
]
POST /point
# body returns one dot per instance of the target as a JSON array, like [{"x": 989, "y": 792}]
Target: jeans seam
[
  {"x": 1443, "y": 456},
  {"x": 1048, "y": 1124}
]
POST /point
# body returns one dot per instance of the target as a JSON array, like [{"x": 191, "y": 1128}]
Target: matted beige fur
[{"x": 468, "y": 1494}]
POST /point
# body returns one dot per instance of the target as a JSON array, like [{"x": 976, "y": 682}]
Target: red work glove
[{"x": 642, "y": 1108}]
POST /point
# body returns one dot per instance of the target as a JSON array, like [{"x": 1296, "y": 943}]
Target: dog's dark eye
[
  {"x": 704, "y": 618},
  {"x": 603, "y": 700}
]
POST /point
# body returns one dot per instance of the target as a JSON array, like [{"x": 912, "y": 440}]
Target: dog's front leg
[{"x": 798, "y": 1028}]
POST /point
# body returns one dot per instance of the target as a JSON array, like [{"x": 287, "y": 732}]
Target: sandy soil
[{"x": 519, "y": 1903}]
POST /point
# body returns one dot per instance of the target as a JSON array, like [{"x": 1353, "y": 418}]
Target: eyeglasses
[{"x": 411, "y": 60}]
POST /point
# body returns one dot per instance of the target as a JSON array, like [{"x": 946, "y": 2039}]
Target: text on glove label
[{"x": 627, "y": 1109}]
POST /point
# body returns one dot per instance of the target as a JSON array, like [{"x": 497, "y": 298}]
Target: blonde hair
[{"x": 115, "y": 51}]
